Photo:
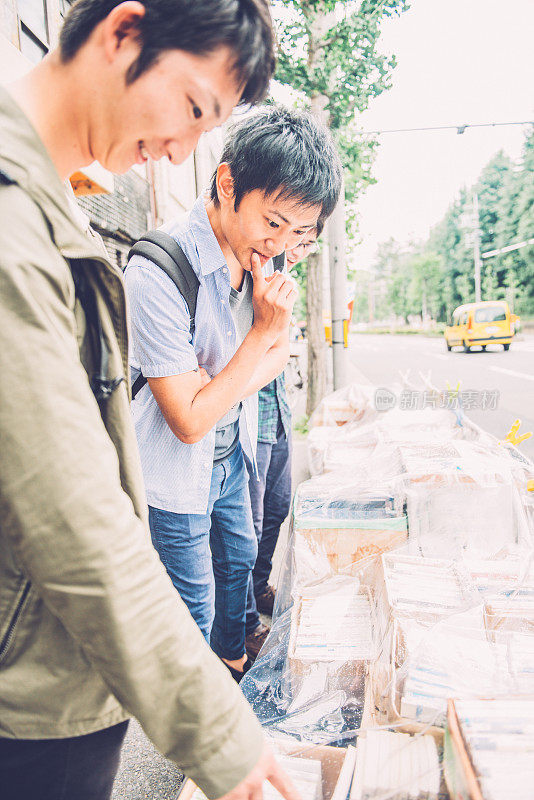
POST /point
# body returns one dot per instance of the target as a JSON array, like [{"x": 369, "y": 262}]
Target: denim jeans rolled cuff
[{"x": 209, "y": 557}]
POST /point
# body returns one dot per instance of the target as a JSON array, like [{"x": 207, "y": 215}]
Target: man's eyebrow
[{"x": 273, "y": 212}]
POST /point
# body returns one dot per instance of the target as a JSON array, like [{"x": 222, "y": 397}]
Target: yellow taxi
[{"x": 489, "y": 322}]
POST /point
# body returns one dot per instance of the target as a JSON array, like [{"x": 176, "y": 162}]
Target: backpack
[{"x": 162, "y": 250}]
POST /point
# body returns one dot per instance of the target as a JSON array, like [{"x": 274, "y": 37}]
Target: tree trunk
[
  {"x": 338, "y": 290},
  {"x": 314, "y": 305},
  {"x": 315, "y": 333},
  {"x": 319, "y": 24}
]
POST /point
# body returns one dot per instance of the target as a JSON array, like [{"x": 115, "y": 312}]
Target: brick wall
[{"x": 121, "y": 217}]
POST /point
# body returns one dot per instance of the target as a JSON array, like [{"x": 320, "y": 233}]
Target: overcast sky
[{"x": 459, "y": 61}]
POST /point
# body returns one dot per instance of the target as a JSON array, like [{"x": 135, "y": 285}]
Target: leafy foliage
[
  {"x": 328, "y": 53},
  {"x": 328, "y": 49},
  {"x": 438, "y": 273}
]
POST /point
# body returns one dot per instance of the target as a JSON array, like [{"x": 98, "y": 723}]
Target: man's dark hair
[
  {"x": 194, "y": 26},
  {"x": 285, "y": 153}
]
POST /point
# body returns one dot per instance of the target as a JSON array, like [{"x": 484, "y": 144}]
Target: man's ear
[
  {"x": 225, "y": 185},
  {"x": 121, "y": 27}
]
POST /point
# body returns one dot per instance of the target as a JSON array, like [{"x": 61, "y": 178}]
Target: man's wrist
[{"x": 263, "y": 340}]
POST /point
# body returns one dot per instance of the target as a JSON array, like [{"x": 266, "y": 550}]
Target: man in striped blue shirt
[{"x": 198, "y": 413}]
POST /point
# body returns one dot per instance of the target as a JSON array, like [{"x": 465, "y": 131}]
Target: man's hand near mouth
[{"x": 273, "y": 299}]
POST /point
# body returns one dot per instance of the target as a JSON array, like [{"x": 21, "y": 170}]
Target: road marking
[{"x": 514, "y": 373}]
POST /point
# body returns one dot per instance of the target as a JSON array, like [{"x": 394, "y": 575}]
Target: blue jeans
[
  {"x": 209, "y": 556},
  {"x": 270, "y": 497}
]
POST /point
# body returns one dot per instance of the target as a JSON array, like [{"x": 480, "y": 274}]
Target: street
[{"x": 382, "y": 359}]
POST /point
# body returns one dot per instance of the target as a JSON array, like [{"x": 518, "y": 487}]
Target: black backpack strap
[
  {"x": 166, "y": 253},
  {"x": 162, "y": 250},
  {"x": 102, "y": 386},
  {"x": 279, "y": 262},
  {"x": 6, "y": 179}
]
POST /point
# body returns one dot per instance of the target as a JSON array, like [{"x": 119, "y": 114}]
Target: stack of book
[
  {"x": 424, "y": 589},
  {"x": 449, "y": 663},
  {"x": 339, "y": 522},
  {"x": 353, "y": 403},
  {"x": 395, "y": 766},
  {"x": 489, "y": 749},
  {"x": 507, "y": 587},
  {"x": 332, "y": 622}
]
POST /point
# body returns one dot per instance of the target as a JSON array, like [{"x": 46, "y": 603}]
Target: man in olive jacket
[{"x": 91, "y": 628}]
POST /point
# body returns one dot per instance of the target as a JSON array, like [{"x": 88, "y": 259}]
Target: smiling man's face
[
  {"x": 266, "y": 225},
  {"x": 165, "y": 111}
]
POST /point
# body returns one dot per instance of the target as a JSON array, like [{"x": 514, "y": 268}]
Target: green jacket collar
[{"x": 24, "y": 158}]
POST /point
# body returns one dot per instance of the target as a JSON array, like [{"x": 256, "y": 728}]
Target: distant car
[{"x": 489, "y": 322}]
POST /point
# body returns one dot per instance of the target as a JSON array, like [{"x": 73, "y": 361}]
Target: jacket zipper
[{"x": 6, "y": 641}]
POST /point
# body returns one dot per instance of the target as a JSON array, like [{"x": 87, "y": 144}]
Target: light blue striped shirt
[{"x": 178, "y": 475}]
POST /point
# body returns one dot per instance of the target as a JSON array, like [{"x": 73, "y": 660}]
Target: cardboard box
[
  {"x": 337, "y": 766},
  {"x": 344, "y": 547},
  {"x": 460, "y": 775}
]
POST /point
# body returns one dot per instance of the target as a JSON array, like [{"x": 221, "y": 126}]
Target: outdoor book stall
[{"x": 400, "y": 664}]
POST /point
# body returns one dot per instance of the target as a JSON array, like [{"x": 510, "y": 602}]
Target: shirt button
[
  {"x": 224, "y": 270},
  {"x": 229, "y": 333}
]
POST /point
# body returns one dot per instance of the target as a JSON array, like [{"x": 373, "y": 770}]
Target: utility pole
[
  {"x": 371, "y": 297},
  {"x": 338, "y": 288},
  {"x": 476, "y": 248}
]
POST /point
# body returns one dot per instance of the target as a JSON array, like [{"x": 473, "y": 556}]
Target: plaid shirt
[{"x": 273, "y": 401}]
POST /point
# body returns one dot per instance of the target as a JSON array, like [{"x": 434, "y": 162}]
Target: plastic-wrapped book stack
[
  {"x": 396, "y": 766},
  {"x": 489, "y": 749}
]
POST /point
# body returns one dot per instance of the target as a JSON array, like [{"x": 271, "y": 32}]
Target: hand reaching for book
[{"x": 266, "y": 769}]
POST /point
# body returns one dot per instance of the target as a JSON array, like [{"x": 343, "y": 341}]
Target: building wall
[
  {"x": 122, "y": 216},
  {"x": 146, "y": 195}
]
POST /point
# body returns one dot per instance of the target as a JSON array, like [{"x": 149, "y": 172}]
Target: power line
[
  {"x": 458, "y": 128},
  {"x": 490, "y": 253}
]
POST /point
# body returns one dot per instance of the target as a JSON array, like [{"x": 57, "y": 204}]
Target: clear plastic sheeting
[
  {"x": 462, "y": 498},
  {"x": 309, "y": 681},
  {"x": 331, "y": 449},
  {"x": 354, "y": 403},
  {"x": 407, "y": 585},
  {"x": 339, "y": 522}
]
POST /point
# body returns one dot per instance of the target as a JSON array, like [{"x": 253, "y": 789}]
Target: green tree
[{"x": 442, "y": 268}]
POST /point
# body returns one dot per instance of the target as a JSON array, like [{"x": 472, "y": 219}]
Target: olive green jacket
[{"x": 91, "y": 628}]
